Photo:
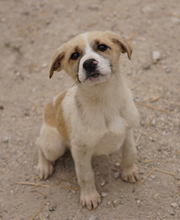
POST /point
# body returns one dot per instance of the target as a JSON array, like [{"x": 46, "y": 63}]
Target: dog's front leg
[
  {"x": 129, "y": 171},
  {"x": 89, "y": 196}
]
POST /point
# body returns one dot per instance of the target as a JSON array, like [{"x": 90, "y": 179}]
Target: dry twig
[
  {"x": 32, "y": 184},
  {"x": 163, "y": 171},
  {"x": 77, "y": 213},
  {"x": 155, "y": 169},
  {"x": 112, "y": 204},
  {"x": 38, "y": 211},
  {"x": 149, "y": 161},
  {"x": 153, "y": 107},
  {"x": 71, "y": 188},
  {"x": 156, "y": 98},
  {"x": 146, "y": 177}
]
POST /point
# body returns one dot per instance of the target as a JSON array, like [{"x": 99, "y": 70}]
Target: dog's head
[{"x": 90, "y": 58}]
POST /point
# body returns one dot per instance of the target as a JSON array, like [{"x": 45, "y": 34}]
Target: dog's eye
[
  {"x": 74, "y": 56},
  {"x": 102, "y": 47}
]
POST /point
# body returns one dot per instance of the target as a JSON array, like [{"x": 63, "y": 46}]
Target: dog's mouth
[{"x": 93, "y": 76}]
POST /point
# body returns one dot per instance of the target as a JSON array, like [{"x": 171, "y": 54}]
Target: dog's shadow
[{"x": 104, "y": 167}]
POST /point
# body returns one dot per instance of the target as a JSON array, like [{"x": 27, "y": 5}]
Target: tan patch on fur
[{"x": 53, "y": 116}]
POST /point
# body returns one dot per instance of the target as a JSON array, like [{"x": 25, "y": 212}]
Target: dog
[{"x": 96, "y": 116}]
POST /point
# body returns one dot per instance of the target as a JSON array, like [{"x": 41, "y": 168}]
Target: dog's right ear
[{"x": 57, "y": 62}]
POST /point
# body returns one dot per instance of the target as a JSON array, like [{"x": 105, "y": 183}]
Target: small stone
[
  {"x": 93, "y": 7},
  {"x": 172, "y": 212},
  {"x": 168, "y": 71},
  {"x": 159, "y": 149},
  {"x": 152, "y": 176},
  {"x": 116, "y": 202},
  {"x": 73, "y": 192},
  {"x": 175, "y": 20},
  {"x": 51, "y": 209},
  {"x": 103, "y": 183},
  {"x": 141, "y": 172},
  {"x": 156, "y": 56},
  {"x": 139, "y": 203},
  {"x": 5, "y": 140},
  {"x": 116, "y": 175},
  {"x": 174, "y": 205},
  {"x": 44, "y": 65},
  {"x": 146, "y": 9},
  {"x": 104, "y": 194},
  {"x": 142, "y": 123},
  {"x": 153, "y": 122},
  {"x": 27, "y": 178},
  {"x": 1, "y": 107},
  {"x": 117, "y": 164},
  {"x": 146, "y": 66},
  {"x": 92, "y": 217}
]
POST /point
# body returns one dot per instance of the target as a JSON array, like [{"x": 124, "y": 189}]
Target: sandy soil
[{"x": 30, "y": 33}]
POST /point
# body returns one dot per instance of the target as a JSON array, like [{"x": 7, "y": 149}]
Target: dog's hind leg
[
  {"x": 129, "y": 171},
  {"x": 50, "y": 148}
]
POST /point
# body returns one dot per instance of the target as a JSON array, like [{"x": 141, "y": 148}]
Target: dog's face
[{"x": 91, "y": 58}]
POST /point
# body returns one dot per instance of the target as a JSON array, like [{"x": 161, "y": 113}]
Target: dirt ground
[{"x": 30, "y": 33}]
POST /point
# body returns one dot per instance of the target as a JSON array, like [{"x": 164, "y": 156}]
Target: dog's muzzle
[{"x": 90, "y": 66}]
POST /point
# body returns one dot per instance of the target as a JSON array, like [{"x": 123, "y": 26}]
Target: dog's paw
[
  {"x": 90, "y": 200},
  {"x": 130, "y": 174},
  {"x": 45, "y": 169}
]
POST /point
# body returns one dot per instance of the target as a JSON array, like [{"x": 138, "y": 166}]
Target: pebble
[
  {"x": 138, "y": 203},
  {"x": 142, "y": 123},
  {"x": 44, "y": 65},
  {"x": 141, "y": 172},
  {"x": 146, "y": 66},
  {"x": 156, "y": 56},
  {"x": 51, "y": 209},
  {"x": 104, "y": 194},
  {"x": 94, "y": 7},
  {"x": 152, "y": 176},
  {"x": 116, "y": 175},
  {"x": 146, "y": 9},
  {"x": 103, "y": 183},
  {"x": 175, "y": 20},
  {"x": 5, "y": 139},
  {"x": 168, "y": 71},
  {"x": 117, "y": 164},
  {"x": 172, "y": 212},
  {"x": 27, "y": 178},
  {"x": 174, "y": 205},
  {"x": 116, "y": 201},
  {"x": 153, "y": 122},
  {"x": 92, "y": 217}
]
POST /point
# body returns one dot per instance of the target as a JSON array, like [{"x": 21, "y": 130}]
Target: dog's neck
[{"x": 103, "y": 92}]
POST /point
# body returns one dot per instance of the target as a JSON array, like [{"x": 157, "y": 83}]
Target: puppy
[{"x": 96, "y": 116}]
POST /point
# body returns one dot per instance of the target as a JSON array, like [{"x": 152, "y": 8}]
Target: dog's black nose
[{"x": 90, "y": 65}]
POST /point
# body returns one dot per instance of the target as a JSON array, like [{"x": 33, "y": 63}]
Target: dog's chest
[{"x": 109, "y": 143}]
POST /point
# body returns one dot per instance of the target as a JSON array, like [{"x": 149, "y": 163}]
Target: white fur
[{"x": 103, "y": 65}]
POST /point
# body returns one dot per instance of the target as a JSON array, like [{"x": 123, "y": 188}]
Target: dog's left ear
[
  {"x": 125, "y": 47},
  {"x": 57, "y": 62}
]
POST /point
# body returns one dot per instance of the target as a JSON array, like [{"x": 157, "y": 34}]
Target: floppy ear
[
  {"x": 125, "y": 47},
  {"x": 56, "y": 63}
]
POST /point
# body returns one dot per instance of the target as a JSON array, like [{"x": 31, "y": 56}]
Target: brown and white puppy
[{"x": 96, "y": 116}]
